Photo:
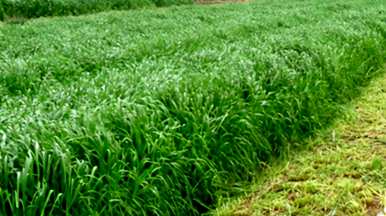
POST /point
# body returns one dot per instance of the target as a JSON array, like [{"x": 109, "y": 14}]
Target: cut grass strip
[{"x": 343, "y": 172}]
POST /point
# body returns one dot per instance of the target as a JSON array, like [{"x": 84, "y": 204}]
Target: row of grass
[
  {"x": 39, "y": 8},
  {"x": 342, "y": 172},
  {"x": 161, "y": 111}
]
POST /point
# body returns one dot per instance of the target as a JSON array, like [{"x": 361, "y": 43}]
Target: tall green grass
[
  {"x": 38, "y": 8},
  {"x": 160, "y": 111}
]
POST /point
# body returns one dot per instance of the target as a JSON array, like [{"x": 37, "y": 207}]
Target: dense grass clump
[
  {"x": 160, "y": 111},
  {"x": 38, "y": 8}
]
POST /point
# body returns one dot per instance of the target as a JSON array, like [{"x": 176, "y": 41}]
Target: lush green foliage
[
  {"x": 37, "y": 8},
  {"x": 340, "y": 173},
  {"x": 160, "y": 111}
]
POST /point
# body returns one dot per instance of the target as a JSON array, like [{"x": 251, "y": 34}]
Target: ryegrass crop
[
  {"x": 161, "y": 111},
  {"x": 342, "y": 172},
  {"x": 38, "y": 8}
]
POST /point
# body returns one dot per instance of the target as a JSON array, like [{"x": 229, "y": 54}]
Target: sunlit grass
[
  {"x": 163, "y": 111},
  {"x": 341, "y": 173}
]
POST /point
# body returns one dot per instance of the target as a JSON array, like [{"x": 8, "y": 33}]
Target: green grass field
[
  {"x": 11, "y": 9},
  {"x": 342, "y": 172},
  {"x": 162, "y": 111}
]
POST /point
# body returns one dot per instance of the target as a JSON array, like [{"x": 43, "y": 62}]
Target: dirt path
[
  {"x": 343, "y": 174},
  {"x": 219, "y": 1}
]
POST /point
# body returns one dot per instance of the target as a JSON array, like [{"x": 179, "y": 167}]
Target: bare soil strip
[{"x": 220, "y": 1}]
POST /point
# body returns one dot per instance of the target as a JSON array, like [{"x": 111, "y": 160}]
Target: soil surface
[{"x": 219, "y": 1}]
